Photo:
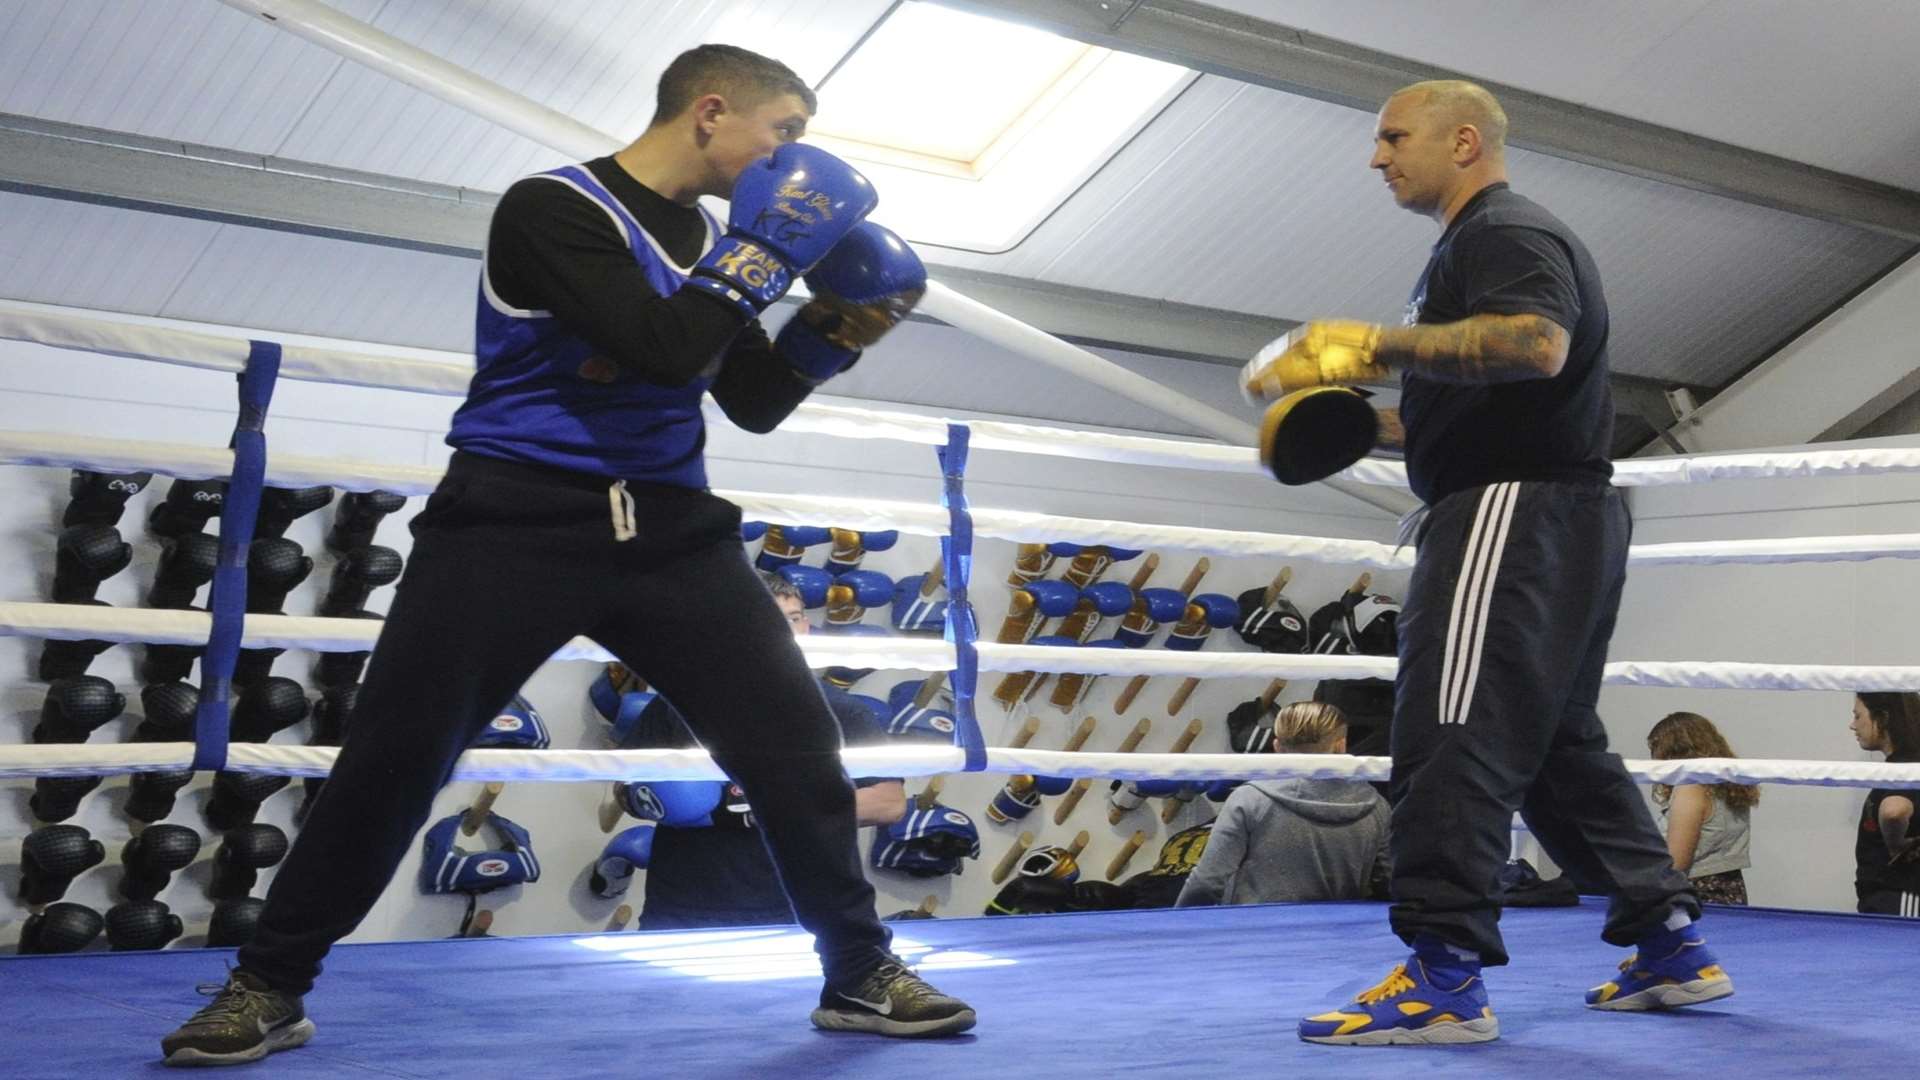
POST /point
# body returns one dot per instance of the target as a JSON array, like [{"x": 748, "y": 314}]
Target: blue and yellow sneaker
[
  {"x": 1407, "y": 1008},
  {"x": 1664, "y": 974}
]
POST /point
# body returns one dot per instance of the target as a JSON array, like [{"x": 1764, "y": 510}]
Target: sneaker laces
[
  {"x": 230, "y": 1000},
  {"x": 896, "y": 978},
  {"x": 1395, "y": 984}
]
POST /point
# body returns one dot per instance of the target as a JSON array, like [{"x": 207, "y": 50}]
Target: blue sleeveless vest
[{"x": 540, "y": 395}]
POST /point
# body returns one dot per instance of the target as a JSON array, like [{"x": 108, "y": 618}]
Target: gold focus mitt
[
  {"x": 1311, "y": 434},
  {"x": 1320, "y": 353}
]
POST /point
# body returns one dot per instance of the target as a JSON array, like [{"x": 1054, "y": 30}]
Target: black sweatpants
[
  {"x": 509, "y": 562},
  {"x": 1503, "y": 639}
]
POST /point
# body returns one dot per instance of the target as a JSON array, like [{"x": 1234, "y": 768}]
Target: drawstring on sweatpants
[{"x": 621, "y": 500}]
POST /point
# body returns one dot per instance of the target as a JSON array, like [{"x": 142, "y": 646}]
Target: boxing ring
[
  {"x": 1203, "y": 992},
  {"x": 1200, "y": 989},
  {"x": 1208, "y": 992}
]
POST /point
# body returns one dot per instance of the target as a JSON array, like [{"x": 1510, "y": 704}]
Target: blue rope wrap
[
  {"x": 228, "y": 599},
  {"x": 962, "y": 630}
]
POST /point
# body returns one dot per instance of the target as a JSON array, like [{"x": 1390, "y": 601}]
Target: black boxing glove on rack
[
  {"x": 57, "y": 798},
  {"x": 358, "y": 516},
  {"x": 62, "y": 928},
  {"x": 85, "y": 556},
  {"x": 75, "y": 708},
  {"x": 237, "y": 797},
  {"x": 67, "y": 659},
  {"x": 51, "y": 857},
  {"x": 151, "y": 795},
  {"x": 233, "y": 922},
  {"x": 275, "y": 567},
  {"x": 355, "y": 577},
  {"x": 189, "y": 505},
  {"x": 169, "y": 663},
  {"x": 281, "y": 507},
  {"x": 245, "y": 852},
  {"x": 141, "y": 924},
  {"x": 151, "y": 858},
  {"x": 339, "y": 670},
  {"x": 168, "y": 710},
  {"x": 271, "y": 705},
  {"x": 330, "y": 715},
  {"x": 95, "y": 498},
  {"x": 186, "y": 563}
]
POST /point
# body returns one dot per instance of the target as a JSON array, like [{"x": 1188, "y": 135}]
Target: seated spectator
[
  {"x": 1705, "y": 825},
  {"x": 721, "y": 875},
  {"x": 1886, "y": 853},
  {"x": 1295, "y": 839}
]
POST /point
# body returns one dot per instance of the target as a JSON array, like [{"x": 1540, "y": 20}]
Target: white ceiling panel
[
  {"x": 1830, "y": 84},
  {"x": 596, "y": 60},
  {"x": 193, "y": 70},
  {"x": 338, "y": 288},
  {"x": 58, "y": 252}
]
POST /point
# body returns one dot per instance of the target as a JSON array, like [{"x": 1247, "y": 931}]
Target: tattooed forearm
[
  {"x": 1480, "y": 349},
  {"x": 1393, "y": 434}
]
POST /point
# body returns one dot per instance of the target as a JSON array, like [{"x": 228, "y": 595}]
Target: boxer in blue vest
[{"x": 576, "y": 502}]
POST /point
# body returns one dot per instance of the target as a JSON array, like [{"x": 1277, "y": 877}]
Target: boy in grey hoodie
[{"x": 1295, "y": 839}]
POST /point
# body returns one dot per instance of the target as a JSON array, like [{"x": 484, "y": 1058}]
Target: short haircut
[
  {"x": 1897, "y": 715},
  {"x": 781, "y": 588},
  {"x": 744, "y": 78},
  {"x": 1459, "y": 103},
  {"x": 1306, "y": 726}
]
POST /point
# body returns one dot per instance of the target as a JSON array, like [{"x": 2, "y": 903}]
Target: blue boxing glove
[
  {"x": 1109, "y": 598},
  {"x": 1055, "y": 599},
  {"x": 1219, "y": 611},
  {"x": 850, "y": 546},
  {"x": 1151, "y": 608},
  {"x": 1204, "y": 614},
  {"x": 812, "y": 582},
  {"x": 786, "y": 213},
  {"x": 785, "y": 545},
  {"x": 625, "y": 853},
  {"x": 680, "y": 804},
  {"x": 862, "y": 589},
  {"x": 862, "y": 289},
  {"x": 752, "y": 530}
]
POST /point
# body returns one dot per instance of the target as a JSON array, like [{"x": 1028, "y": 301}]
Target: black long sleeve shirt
[{"x": 550, "y": 249}]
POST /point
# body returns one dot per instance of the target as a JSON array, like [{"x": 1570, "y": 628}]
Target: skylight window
[{"x": 973, "y": 129}]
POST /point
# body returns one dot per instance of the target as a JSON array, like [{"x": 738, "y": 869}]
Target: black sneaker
[
  {"x": 892, "y": 1000},
  {"x": 246, "y": 1021}
]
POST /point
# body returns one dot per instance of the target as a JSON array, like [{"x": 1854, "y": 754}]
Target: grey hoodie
[{"x": 1292, "y": 840}]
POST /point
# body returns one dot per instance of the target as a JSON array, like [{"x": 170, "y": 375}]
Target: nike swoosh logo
[{"x": 884, "y": 1006}]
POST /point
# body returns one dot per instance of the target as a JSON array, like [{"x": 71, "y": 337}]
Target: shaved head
[{"x": 1455, "y": 104}]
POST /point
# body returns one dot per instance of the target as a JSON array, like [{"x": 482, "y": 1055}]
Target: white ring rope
[
  {"x": 922, "y": 519},
  {"x": 18, "y": 762},
  {"x": 71, "y": 622},
  {"x": 66, "y": 329}
]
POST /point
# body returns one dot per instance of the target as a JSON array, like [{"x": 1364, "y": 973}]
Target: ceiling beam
[
  {"x": 65, "y": 161},
  {"x": 1282, "y": 58}
]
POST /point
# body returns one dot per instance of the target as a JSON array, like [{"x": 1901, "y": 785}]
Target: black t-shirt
[
  {"x": 722, "y": 875},
  {"x": 1505, "y": 255},
  {"x": 550, "y": 248},
  {"x": 1872, "y": 871}
]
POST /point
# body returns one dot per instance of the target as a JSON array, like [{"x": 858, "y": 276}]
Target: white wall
[
  {"x": 62, "y": 391},
  {"x": 1832, "y": 613}
]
